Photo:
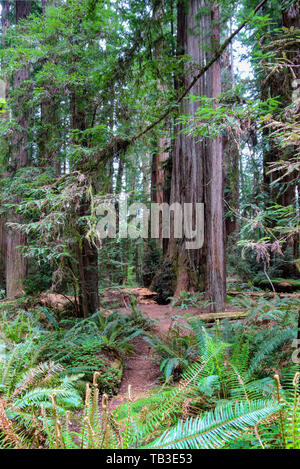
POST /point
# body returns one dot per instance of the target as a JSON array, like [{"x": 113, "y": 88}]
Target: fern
[
  {"x": 269, "y": 346},
  {"x": 187, "y": 387},
  {"x": 288, "y": 395},
  {"x": 24, "y": 387},
  {"x": 215, "y": 428}
]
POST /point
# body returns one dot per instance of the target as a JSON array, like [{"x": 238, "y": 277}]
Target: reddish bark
[
  {"x": 215, "y": 281},
  {"x": 16, "y": 264},
  {"x": 187, "y": 179},
  {"x": 197, "y": 174},
  {"x": 87, "y": 252},
  {"x": 5, "y": 24}
]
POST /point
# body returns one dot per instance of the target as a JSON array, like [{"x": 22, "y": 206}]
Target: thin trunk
[
  {"x": 161, "y": 153},
  {"x": 159, "y": 158},
  {"x": 231, "y": 185},
  {"x": 231, "y": 155}
]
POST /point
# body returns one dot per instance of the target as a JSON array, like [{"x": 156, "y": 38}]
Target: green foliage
[
  {"x": 152, "y": 260},
  {"x": 218, "y": 399},
  {"x": 216, "y": 428},
  {"x": 143, "y": 423},
  {"x": 97, "y": 344},
  {"x": 222, "y": 115},
  {"x": 163, "y": 283},
  {"x": 175, "y": 351},
  {"x": 39, "y": 281},
  {"x": 37, "y": 364},
  {"x": 23, "y": 325},
  {"x": 85, "y": 78},
  {"x": 26, "y": 385},
  {"x": 188, "y": 299},
  {"x": 253, "y": 348},
  {"x": 289, "y": 398}
]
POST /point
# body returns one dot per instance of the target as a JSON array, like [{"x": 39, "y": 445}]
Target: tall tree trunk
[
  {"x": 87, "y": 252},
  {"x": 231, "y": 184},
  {"x": 231, "y": 155},
  {"x": 49, "y": 135},
  {"x": 215, "y": 281},
  {"x": 197, "y": 173},
  {"x": 187, "y": 179},
  {"x": 159, "y": 158},
  {"x": 16, "y": 264},
  {"x": 5, "y": 24}
]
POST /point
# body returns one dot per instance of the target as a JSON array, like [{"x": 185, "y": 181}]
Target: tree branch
[
  {"x": 201, "y": 72},
  {"x": 121, "y": 144}
]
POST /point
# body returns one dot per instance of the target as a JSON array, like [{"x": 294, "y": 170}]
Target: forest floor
[{"x": 141, "y": 371}]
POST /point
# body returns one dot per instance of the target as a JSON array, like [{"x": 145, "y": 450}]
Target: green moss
[
  {"x": 90, "y": 357},
  {"x": 288, "y": 284}
]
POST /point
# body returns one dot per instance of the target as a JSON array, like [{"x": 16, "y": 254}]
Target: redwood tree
[
  {"x": 197, "y": 175},
  {"x": 16, "y": 264}
]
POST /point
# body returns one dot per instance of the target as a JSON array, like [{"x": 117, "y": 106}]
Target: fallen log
[
  {"x": 142, "y": 295},
  {"x": 208, "y": 317},
  {"x": 56, "y": 301},
  {"x": 259, "y": 294}
]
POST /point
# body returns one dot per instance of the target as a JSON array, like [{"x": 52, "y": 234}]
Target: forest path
[{"x": 140, "y": 371}]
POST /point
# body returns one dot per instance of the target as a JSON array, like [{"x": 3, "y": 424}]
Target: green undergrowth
[{"x": 218, "y": 389}]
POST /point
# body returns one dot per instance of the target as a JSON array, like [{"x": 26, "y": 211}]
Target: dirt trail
[{"x": 141, "y": 372}]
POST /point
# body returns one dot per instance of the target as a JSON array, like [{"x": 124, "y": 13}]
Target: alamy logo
[{"x": 137, "y": 220}]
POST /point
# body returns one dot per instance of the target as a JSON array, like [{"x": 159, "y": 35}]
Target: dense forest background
[
  {"x": 158, "y": 101},
  {"x": 108, "y": 98}
]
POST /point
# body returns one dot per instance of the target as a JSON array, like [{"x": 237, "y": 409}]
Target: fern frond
[
  {"x": 268, "y": 347},
  {"x": 42, "y": 373},
  {"x": 215, "y": 428},
  {"x": 187, "y": 387}
]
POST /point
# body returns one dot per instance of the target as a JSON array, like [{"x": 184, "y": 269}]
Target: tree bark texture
[
  {"x": 197, "y": 173},
  {"x": 16, "y": 264}
]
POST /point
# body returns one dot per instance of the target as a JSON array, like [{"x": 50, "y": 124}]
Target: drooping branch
[{"x": 120, "y": 144}]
